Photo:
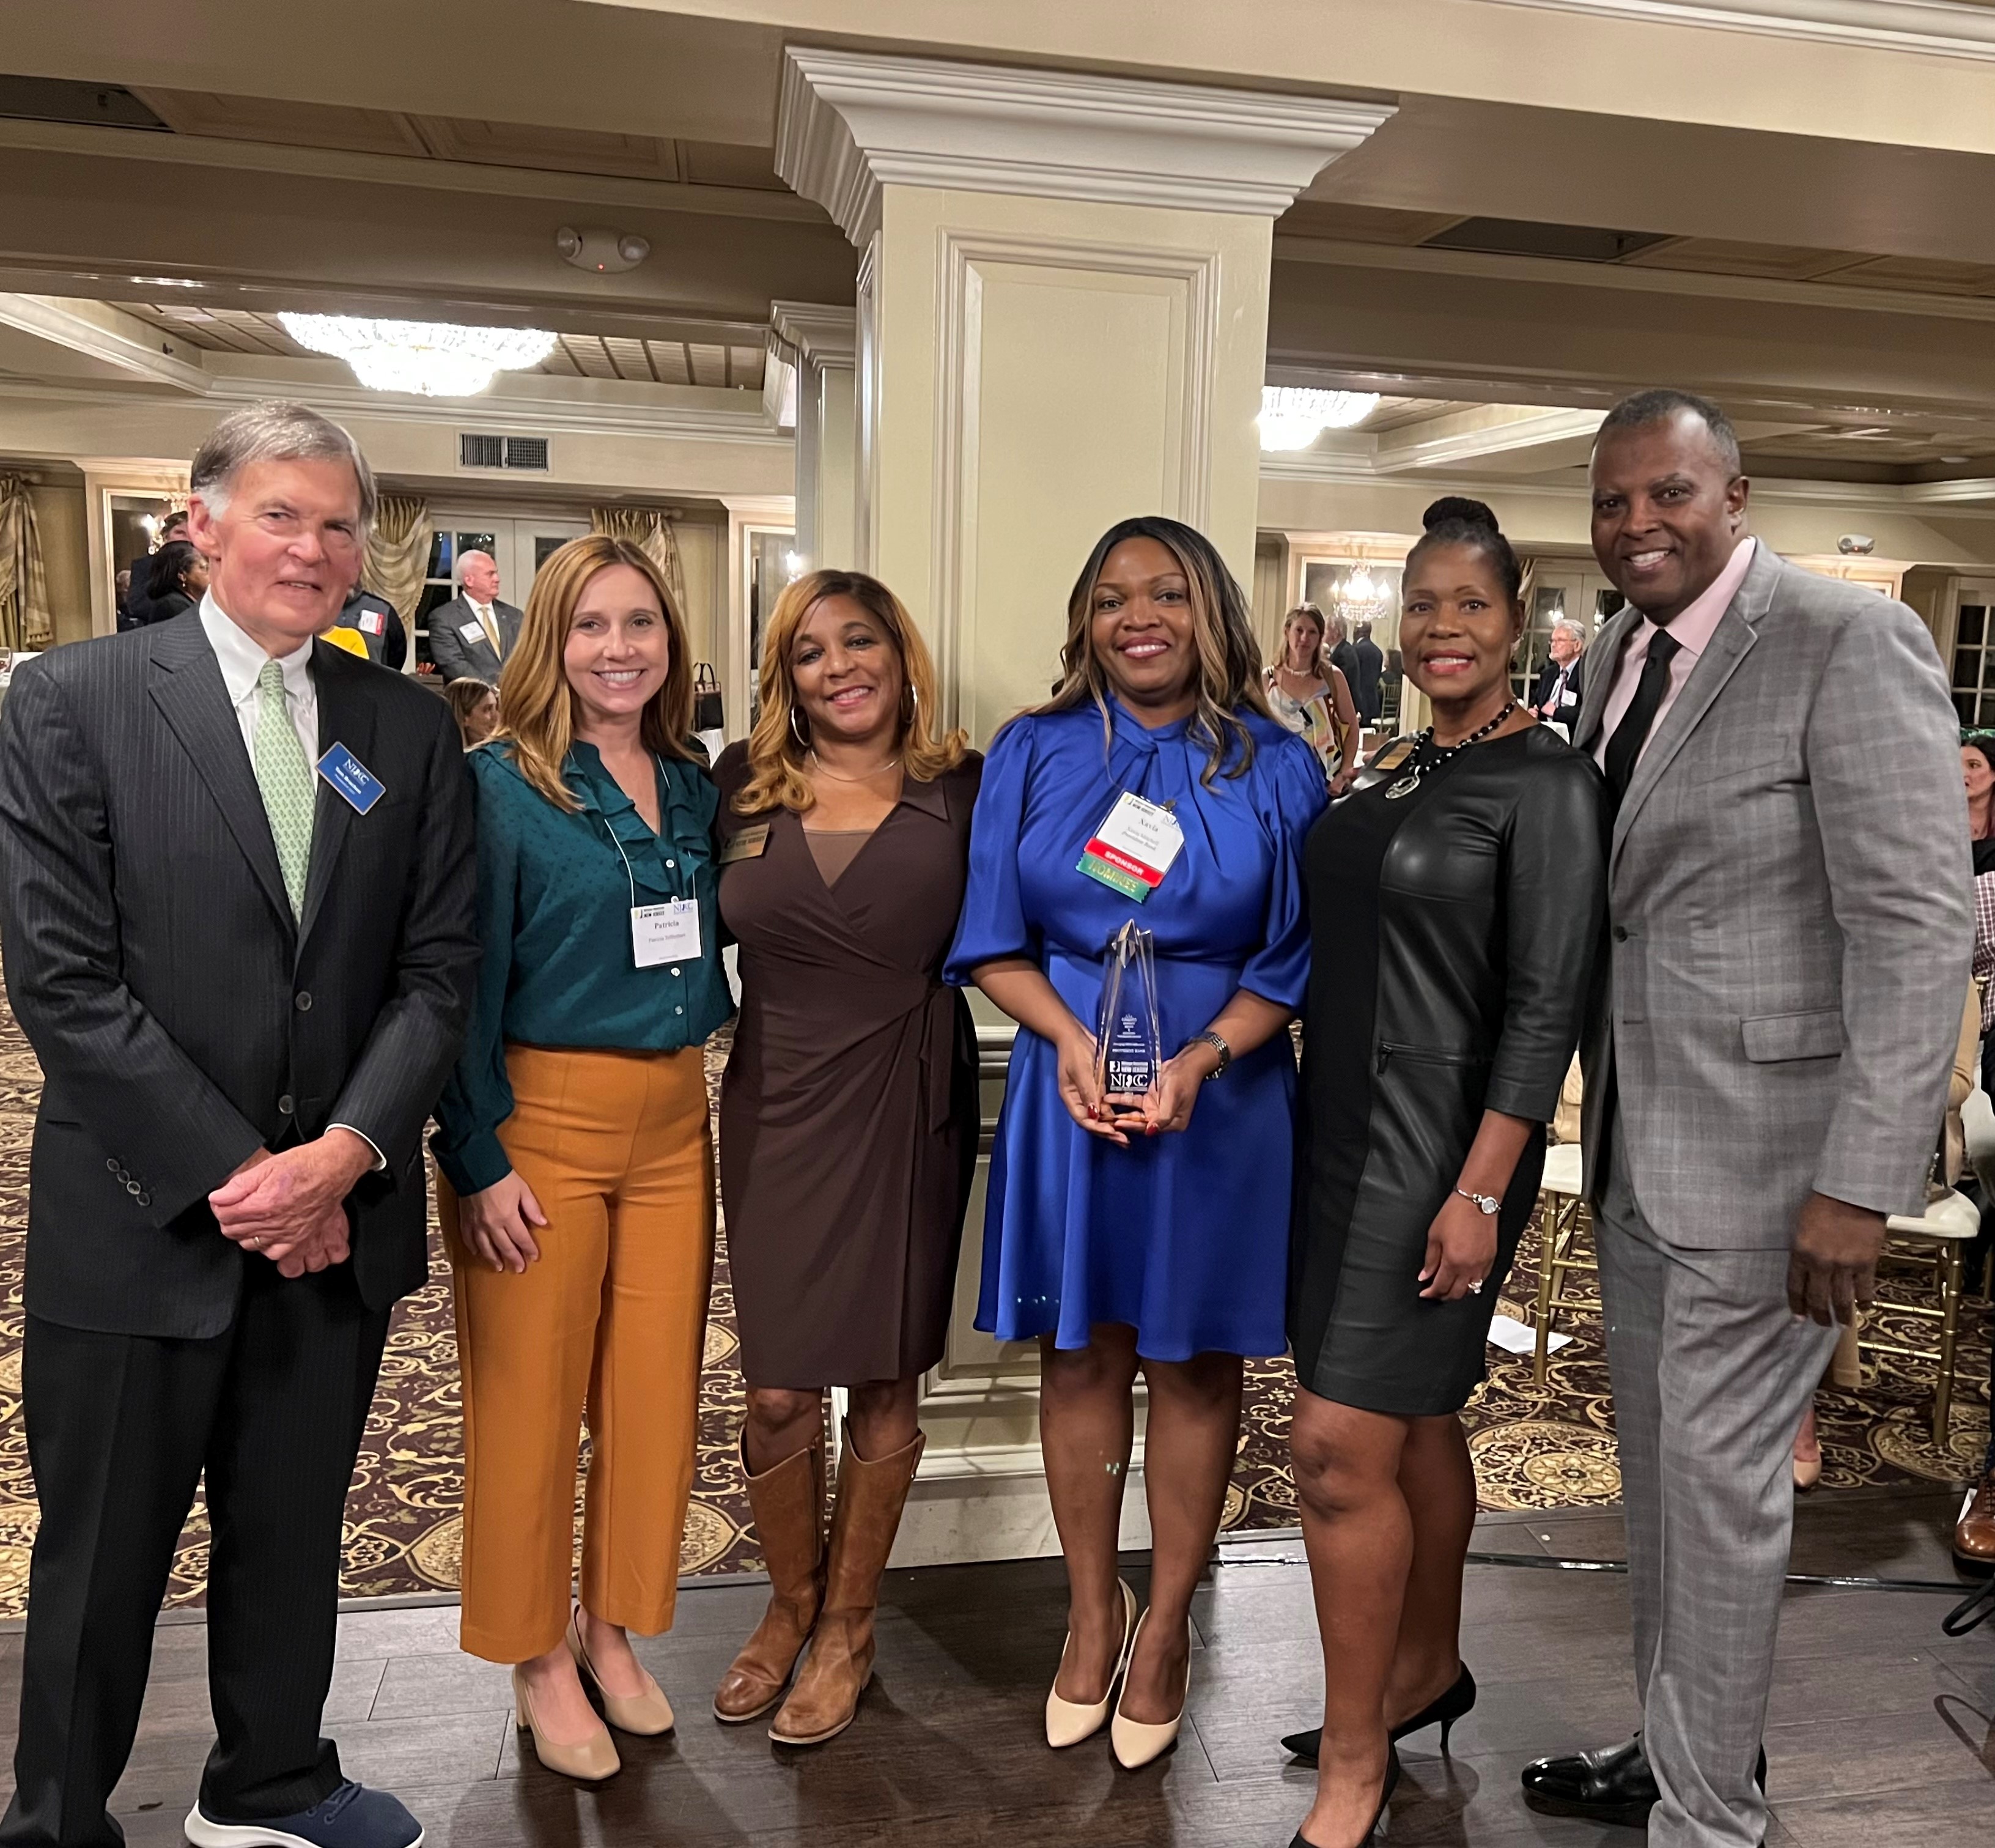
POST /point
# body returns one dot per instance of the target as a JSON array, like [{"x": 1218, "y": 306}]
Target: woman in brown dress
[{"x": 848, "y": 1113}]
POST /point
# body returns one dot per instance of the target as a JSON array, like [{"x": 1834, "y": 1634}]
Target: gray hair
[
  {"x": 1577, "y": 631},
  {"x": 463, "y": 558},
  {"x": 275, "y": 431}
]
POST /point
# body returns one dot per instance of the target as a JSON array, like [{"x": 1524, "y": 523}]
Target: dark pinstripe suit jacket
[{"x": 182, "y": 1018}]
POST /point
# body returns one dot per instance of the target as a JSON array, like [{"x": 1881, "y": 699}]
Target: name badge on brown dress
[{"x": 748, "y": 844}]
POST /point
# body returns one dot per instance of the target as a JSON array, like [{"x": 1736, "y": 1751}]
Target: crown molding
[
  {"x": 816, "y": 330},
  {"x": 1951, "y": 28},
  {"x": 851, "y": 122}
]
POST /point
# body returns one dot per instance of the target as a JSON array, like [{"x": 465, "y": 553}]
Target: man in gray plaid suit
[{"x": 1766, "y": 1061}]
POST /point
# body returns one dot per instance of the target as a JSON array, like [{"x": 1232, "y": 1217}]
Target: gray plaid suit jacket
[{"x": 1791, "y": 916}]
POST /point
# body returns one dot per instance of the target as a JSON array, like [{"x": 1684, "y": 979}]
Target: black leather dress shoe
[{"x": 1615, "y": 1786}]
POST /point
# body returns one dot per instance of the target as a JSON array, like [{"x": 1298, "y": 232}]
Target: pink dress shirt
[{"x": 1692, "y": 630}]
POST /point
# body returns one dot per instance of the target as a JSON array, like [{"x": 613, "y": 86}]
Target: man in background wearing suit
[
  {"x": 1371, "y": 665},
  {"x": 245, "y": 983},
  {"x": 474, "y": 632},
  {"x": 1766, "y": 1061},
  {"x": 1562, "y": 681}
]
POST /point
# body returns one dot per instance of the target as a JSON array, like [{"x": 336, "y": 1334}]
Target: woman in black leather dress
[{"x": 1456, "y": 898}]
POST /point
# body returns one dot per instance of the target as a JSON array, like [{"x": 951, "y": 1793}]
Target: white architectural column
[
  {"x": 821, "y": 343},
  {"x": 1061, "y": 322}
]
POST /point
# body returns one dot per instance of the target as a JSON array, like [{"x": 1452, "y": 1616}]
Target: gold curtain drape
[
  {"x": 647, "y": 528},
  {"x": 24, "y": 618},
  {"x": 398, "y": 553}
]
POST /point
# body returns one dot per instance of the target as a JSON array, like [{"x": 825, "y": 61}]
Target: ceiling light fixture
[
  {"x": 1293, "y": 416},
  {"x": 434, "y": 357}
]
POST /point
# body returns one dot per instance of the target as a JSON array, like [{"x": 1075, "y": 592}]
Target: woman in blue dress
[{"x": 1142, "y": 1233}]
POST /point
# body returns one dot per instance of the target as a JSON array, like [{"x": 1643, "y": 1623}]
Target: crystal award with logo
[{"x": 1128, "y": 1055}]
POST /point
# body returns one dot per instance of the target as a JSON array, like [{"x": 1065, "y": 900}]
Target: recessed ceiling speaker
[
  {"x": 1858, "y": 545},
  {"x": 605, "y": 252}
]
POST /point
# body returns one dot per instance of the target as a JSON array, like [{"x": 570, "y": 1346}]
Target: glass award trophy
[{"x": 1129, "y": 1047}]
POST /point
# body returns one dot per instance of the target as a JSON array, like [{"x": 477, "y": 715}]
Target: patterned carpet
[{"x": 1535, "y": 1446}]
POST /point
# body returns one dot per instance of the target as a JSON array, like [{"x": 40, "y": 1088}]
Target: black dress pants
[{"x": 120, "y": 1428}]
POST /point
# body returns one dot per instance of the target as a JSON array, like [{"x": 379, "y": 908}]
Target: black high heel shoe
[
  {"x": 1377, "y": 1816},
  {"x": 1446, "y": 1708}
]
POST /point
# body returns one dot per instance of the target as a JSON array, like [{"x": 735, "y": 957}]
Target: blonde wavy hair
[
  {"x": 775, "y": 755},
  {"x": 1229, "y": 657},
  {"x": 538, "y": 708}
]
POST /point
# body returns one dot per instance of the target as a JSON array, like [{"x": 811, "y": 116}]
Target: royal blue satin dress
[{"x": 1182, "y": 1237}]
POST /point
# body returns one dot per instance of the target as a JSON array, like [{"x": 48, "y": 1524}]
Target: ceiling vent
[
  {"x": 57, "y": 99},
  {"x": 1523, "y": 237},
  {"x": 476, "y": 451}
]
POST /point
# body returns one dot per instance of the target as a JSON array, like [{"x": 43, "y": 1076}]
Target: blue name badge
[{"x": 351, "y": 778}]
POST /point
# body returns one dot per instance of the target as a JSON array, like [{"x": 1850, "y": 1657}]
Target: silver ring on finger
[{"x": 1475, "y": 1289}]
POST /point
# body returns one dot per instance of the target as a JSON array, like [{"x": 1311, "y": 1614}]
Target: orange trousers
[{"x": 610, "y": 1320}]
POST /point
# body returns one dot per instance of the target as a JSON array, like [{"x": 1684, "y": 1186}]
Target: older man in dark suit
[
  {"x": 471, "y": 635},
  {"x": 236, "y": 877}
]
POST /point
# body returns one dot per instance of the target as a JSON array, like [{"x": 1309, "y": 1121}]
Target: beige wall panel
[
  {"x": 61, "y": 518},
  {"x": 703, "y": 557},
  {"x": 1040, "y": 369},
  {"x": 1033, "y": 433}
]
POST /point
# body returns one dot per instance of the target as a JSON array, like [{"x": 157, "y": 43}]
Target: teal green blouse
[{"x": 554, "y": 914}]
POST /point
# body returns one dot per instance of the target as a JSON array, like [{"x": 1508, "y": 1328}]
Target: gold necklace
[{"x": 893, "y": 763}]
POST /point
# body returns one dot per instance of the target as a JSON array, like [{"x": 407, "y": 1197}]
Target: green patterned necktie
[{"x": 286, "y": 780}]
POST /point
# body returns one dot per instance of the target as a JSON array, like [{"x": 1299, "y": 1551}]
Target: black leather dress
[{"x": 1453, "y": 931}]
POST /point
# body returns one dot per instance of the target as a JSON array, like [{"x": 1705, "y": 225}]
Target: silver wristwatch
[{"x": 1485, "y": 1204}]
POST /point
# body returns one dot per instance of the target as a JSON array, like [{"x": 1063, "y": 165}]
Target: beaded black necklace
[{"x": 1428, "y": 755}]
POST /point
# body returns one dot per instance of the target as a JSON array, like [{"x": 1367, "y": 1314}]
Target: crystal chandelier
[
  {"x": 435, "y": 357},
  {"x": 1293, "y": 416}
]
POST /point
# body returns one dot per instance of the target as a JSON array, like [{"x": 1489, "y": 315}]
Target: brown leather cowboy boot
[
  {"x": 871, "y": 1497},
  {"x": 789, "y": 1504}
]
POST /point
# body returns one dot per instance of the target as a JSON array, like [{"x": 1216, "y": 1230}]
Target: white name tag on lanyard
[
  {"x": 1133, "y": 848},
  {"x": 664, "y": 933}
]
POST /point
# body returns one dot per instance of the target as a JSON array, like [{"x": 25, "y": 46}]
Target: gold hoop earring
[{"x": 797, "y": 731}]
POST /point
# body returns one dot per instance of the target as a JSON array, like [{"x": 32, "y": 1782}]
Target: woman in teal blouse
[{"x": 577, "y": 1189}]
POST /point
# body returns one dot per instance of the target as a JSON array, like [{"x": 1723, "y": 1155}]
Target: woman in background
[
  {"x": 1455, "y": 901},
  {"x": 475, "y": 704},
  {"x": 848, "y": 1114},
  {"x": 1311, "y": 697},
  {"x": 577, "y": 1195},
  {"x": 1129, "y": 1234},
  {"x": 176, "y": 580}
]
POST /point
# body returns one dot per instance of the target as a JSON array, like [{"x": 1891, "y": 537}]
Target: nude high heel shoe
[
  {"x": 1135, "y": 1742},
  {"x": 648, "y": 1715},
  {"x": 1068, "y": 1723},
  {"x": 589, "y": 1762}
]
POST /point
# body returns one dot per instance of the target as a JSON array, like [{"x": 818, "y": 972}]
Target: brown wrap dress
[{"x": 849, "y": 1108}]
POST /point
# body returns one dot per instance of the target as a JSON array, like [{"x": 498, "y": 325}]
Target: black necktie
[{"x": 1624, "y": 749}]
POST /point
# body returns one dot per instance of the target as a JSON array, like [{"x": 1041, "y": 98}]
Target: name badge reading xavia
[
  {"x": 351, "y": 778},
  {"x": 1133, "y": 849}
]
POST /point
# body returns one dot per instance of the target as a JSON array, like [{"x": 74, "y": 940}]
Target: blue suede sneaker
[{"x": 352, "y": 1817}]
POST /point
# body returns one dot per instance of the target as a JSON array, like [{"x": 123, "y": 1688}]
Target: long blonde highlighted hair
[
  {"x": 1229, "y": 657},
  {"x": 537, "y": 705},
  {"x": 777, "y": 746}
]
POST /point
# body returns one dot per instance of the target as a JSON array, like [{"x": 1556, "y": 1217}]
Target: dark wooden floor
[{"x": 1880, "y": 1731}]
